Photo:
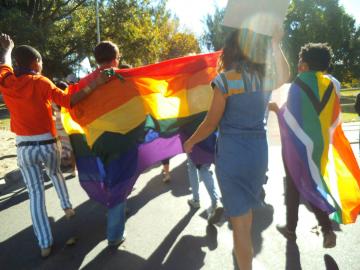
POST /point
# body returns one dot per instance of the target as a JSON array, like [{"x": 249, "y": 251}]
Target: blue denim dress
[{"x": 241, "y": 159}]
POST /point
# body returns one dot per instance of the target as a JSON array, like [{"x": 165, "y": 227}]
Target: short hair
[
  {"x": 105, "y": 52},
  {"x": 25, "y": 55},
  {"x": 317, "y": 55},
  {"x": 62, "y": 85}
]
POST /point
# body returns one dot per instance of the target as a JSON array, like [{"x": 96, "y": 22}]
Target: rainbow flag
[
  {"x": 128, "y": 125},
  {"x": 316, "y": 152}
]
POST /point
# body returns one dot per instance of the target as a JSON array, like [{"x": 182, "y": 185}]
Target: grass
[{"x": 347, "y": 101}]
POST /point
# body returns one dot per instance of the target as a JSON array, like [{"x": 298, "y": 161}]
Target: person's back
[
  {"x": 28, "y": 94},
  {"x": 246, "y": 101},
  {"x": 238, "y": 108},
  {"x": 307, "y": 121},
  {"x": 29, "y": 102},
  {"x": 28, "y": 97}
]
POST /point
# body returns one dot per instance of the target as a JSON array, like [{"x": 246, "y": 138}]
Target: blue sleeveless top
[{"x": 246, "y": 102}]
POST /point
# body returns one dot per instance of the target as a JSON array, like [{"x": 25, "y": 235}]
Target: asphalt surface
[{"x": 162, "y": 231}]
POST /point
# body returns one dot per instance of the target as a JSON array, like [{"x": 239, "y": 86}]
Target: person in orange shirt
[{"x": 28, "y": 96}]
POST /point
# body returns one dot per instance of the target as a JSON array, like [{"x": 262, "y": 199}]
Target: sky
[{"x": 192, "y": 12}]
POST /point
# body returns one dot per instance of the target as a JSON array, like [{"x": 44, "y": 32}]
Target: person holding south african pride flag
[{"x": 318, "y": 159}]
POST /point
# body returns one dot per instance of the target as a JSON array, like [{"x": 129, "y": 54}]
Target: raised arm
[
  {"x": 7, "y": 46},
  {"x": 281, "y": 64}
]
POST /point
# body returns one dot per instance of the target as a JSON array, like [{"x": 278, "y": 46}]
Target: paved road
[{"x": 162, "y": 231}]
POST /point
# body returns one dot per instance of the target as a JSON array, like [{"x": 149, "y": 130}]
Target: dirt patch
[{"x": 8, "y": 161}]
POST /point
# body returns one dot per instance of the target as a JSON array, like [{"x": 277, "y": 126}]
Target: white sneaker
[{"x": 194, "y": 204}]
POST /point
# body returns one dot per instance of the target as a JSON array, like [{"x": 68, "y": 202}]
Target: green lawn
[{"x": 347, "y": 101}]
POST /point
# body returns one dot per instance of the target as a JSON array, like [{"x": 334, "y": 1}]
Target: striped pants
[{"x": 31, "y": 160}]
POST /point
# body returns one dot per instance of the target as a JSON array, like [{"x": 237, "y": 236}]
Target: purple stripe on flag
[
  {"x": 90, "y": 169},
  {"x": 157, "y": 150},
  {"x": 201, "y": 156},
  {"x": 148, "y": 154},
  {"x": 96, "y": 191},
  {"x": 299, "y": 170}
]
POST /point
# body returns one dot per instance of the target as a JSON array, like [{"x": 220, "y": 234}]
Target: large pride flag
[
  {"x": 128, "y": 125},
  {"x": 316, "y": 152}
]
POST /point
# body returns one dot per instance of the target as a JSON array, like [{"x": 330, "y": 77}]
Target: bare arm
[
  {"x": 83, "y": 93},
  {"x": 210, "y": 122},
  {"x": 7, "y": 45},
  {"x": 281, "y": 64}
]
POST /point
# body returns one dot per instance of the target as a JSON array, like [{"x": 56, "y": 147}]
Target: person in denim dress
[{"x": 238, "y": 110}]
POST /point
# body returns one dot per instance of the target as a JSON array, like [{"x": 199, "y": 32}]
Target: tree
[
  {"x": 308, "y": 21},
  {"x": 56, "y": 28},
  {"x": 146, "y": 33},
  {"x": 64, "y": 30},
  {"x": 182, "y": 44},
  {"x": 215, "y": 34},
  {"x": 323, "y": 21}
]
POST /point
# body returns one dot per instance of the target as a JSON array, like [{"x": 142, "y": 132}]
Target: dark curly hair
[{"x": 317, "y": 56}]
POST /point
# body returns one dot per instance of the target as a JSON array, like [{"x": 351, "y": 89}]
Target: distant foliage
[
  {"x": 324, "y": 21},
  {"x": 64, "y": 31},
  {"x": 308, "y": 21},
  {"x": 215, "y": 34}
]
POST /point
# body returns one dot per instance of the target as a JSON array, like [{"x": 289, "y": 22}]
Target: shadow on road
[
  {"x": 330, "y": 263},
  {"x": 89, "y": 227},
  {"x": 14, "y": 191},
  {"x": 179, "y": 186},
  {"x": 7, "y": 156},
  {"x": 292, "y": 256},
  {"x": 187, "y": 254},
  {"x": 262, "y": 218},
  {"x": 22, "y": 252}
]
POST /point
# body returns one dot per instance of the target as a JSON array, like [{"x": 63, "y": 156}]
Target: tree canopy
[
  {"x": 308, "y": 21},
  {"x": 324, "y": 21},
  {"x": 64, "y": 30}
]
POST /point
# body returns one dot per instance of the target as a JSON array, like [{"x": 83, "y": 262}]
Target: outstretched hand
[
  {"x": 273, "y": 107},
  {"x": 6, "y": 42}
]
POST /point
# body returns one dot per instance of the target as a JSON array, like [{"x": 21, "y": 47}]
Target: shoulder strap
[{"x": 224, "y": 80}]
